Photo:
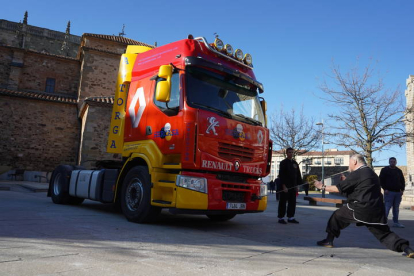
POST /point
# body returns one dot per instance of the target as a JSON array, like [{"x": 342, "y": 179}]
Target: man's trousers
[
  {"x": 343, "y": 217},
  {"x": 290, "y": 199}
]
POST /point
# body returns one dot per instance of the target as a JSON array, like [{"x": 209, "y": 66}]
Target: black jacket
[
  {"x": 289, "y": 173},
  {"x": 363, "y": 191},
  {"x": 392, "y": 179}
]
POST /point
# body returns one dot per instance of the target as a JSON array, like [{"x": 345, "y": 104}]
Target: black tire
[
  {"x": 221, "y": 217},
  {"x": 136, "y": 196},
  {"x": 59, "y": 186}
]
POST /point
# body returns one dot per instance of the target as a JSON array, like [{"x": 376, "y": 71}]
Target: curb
[{"x": 34, "y": 190}]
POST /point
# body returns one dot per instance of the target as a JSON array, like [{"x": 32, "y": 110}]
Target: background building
[
  {"x": 409, "y": 94},
  {"x": 56, "y": 95},
  {"x": 335, "y": 161}
]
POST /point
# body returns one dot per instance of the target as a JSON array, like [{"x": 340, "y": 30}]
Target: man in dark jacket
[
  {"x": 393, "y": 182},
  {"x": 290, "y": 178},
  {"x": 365, "y": 207}
]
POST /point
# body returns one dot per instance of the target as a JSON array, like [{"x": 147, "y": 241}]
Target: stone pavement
[
  {"x": 23, "y": 186},
  {"x": 38, "y": 237}
]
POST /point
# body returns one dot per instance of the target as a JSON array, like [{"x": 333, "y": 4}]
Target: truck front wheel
[{"x": 136, "y": 196}]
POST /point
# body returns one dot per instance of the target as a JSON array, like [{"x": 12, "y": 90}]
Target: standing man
[
  {"x": 393, "y": 182},
  {"x": 365, "y": 207},
  {"x": 290, "y": 178}
]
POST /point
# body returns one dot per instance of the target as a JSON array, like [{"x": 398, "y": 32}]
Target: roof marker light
[
  {"x": 248, "y": 59},
  {"x": 228, "y": 49},
  {"x": 218, "y": 44},
  {"x": 238, "y": 54}
]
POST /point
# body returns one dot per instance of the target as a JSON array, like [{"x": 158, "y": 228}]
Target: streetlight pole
[{"x": 323, "y": 159}]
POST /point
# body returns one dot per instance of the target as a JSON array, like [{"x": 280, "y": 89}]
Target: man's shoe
[
  {"x": 325, "y": 243},
  {"x": 409, "y": 253},
  {"x": 293, "y": 221},
  {"x": 398, "y": 225},
  {"x": 282, "y": 221}
]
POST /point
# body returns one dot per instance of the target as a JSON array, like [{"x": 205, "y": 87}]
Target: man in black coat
[
  {"x": 365, "y": 207},
  {"x": 393, "y": 182},
  {"x": 290, "y": 178}
]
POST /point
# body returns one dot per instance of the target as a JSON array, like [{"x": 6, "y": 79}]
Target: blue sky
[{"x": 293, "y": 43}]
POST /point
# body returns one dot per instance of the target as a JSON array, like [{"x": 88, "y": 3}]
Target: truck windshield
[{"x": 226, "y": 95}]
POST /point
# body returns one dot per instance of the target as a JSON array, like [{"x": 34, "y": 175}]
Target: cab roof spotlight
[
  {"x": 248, "y": 59},
  {"x": 228, "y": 49},
  {"x": 218, "y": 44},
  {"x": 238, "y": 54}
]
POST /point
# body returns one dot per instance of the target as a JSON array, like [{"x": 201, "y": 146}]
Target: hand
[
  {"x": 343, "y": 177},
  {"x": 284, "y": 189},
  {"x": 318, "y": 184}
]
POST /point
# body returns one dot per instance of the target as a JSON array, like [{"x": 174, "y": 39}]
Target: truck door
[{"x": 165, "y": 118}]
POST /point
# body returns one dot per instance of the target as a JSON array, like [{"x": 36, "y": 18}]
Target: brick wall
[{"x": 37, "y": 135}]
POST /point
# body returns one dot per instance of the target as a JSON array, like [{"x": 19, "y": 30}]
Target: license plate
[{"x": 236, "y": 206}]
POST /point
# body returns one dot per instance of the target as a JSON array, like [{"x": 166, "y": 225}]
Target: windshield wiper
[
  {"x": 253, "y": 121},
  {"x": 219, "y": 111}
]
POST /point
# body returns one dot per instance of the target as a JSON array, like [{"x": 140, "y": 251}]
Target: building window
[
  {"x": 50, "y": 85},
  {"x": 318, "y": 161},
  {"x": 339, "y": 161}
]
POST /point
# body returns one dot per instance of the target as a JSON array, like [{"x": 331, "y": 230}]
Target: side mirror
[
  {"x": 264, "y": 108},
  {"x": 264, "y": 105},
  {"x": 163, "y": 92}
]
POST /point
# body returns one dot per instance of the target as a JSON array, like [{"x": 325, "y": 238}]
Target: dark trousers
[
  {"x": 343, "y": 217},
  {"x": 290, "y": 199},
  {"x": 306, "y": 188}
]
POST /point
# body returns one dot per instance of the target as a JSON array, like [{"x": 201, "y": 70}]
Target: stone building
[
  {"x": 409, "y": 94},
  {"x": 56, "y": 94}
]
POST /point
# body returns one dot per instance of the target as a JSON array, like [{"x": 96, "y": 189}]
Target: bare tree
[
  {"x": 369, "y": 117},
  {"x": 289, "y": 129}
]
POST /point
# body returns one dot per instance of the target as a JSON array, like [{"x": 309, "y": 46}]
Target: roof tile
[
  {"x": 38, "y": 96},
  {"x": 120, "y": 39}
]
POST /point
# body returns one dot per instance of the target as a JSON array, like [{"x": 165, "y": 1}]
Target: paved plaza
[{"x": 38, "y": 237}]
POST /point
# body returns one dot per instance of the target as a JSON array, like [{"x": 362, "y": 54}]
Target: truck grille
[
  {"x": 233, "y": 196},
  {"x": 230, "y": 152},
  {"x": 235, "y": 186}
]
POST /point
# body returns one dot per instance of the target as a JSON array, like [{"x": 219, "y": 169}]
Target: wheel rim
[
  {"x": 57, "y": 188},
  {"x": 133, "y": 195}
]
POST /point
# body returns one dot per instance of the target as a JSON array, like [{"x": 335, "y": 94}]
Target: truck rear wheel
[
  {"x": 220, "y": 217},
  {"x": 59, "y": 190},
  {"x": 136, "y": 196}
]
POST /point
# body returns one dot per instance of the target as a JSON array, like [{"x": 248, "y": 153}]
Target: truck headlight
[
  {"x": 263, "y": 190},
  {"x": 193, "y": 183}
]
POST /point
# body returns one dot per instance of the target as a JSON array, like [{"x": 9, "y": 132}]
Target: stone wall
[
  {"x": 104, "y": 45},
  {"x": 37, "y": 68},
  {"x": 6, "y": 57},
  {"x": 99, "y": 73},
  {"x": 37, "y": 135},
  {"x": 96, "y": 123},
  {"x": 38, "y": 39}
]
